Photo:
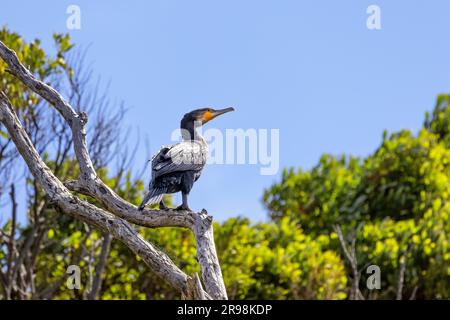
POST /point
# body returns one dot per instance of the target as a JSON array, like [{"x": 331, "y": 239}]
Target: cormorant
[{"x": 176, "y": 167}]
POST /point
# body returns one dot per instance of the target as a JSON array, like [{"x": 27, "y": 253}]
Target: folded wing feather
[{"x": 183, "y": 156}]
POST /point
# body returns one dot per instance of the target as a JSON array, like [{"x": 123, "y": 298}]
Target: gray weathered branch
[
  {"x": 401, "y": 274},
  {"x": 85, "y": 211},
  {"x": 89, "y": 183},
  {"x": 350, "y": 254},
  {"x": 100, "y": 267}
]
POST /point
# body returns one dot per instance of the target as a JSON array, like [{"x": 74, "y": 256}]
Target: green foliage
[
  {"x": 37, "y": 61},
  {"x": 440, "y": 121},
  {"x": 277, "y": 261},
  {"x": 399, "y": 194},
  {"x": 263, "y": 261},
  {"x": 315, "y": 198}
]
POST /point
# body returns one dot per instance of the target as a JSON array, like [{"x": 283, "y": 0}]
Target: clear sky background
[{"x": 309, "y": 68}]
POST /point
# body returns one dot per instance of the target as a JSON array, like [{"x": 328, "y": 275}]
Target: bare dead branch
[
  {"x": 350, "y": 254},
  {"x": 413, "y": 294},
  {"x": 89, "y": 183},
  {"x": 84, "y": 211},
  {"x": 195, "y": 291},
  {"x": 100, "y": 267},
  {"x": 401, "y": 274}
]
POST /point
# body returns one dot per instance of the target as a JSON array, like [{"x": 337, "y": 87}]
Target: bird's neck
[{"x": 188, "y": 131}]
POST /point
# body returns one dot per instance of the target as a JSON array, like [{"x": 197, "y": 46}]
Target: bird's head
[{"x": 204, "y": 115}]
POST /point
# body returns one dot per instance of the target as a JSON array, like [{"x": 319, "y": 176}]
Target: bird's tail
[{"x": 154, "y": 195}]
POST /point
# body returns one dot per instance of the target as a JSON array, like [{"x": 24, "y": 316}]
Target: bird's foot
[
  {"x": 162, "y": 206},
  {"x": 183, "y": 207}
]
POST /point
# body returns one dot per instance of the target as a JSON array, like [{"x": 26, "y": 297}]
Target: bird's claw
[{"x": 182, "y": 207}]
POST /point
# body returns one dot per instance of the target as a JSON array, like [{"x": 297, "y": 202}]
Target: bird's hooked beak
[
  {"x": 209, "y": 115},
  {"x": 221, "y": 111}
]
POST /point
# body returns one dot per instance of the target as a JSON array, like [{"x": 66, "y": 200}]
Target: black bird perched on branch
[{"x": 175, "y": 168}]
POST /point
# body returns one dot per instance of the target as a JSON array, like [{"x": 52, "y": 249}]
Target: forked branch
[{"x": 117, "y": 214}]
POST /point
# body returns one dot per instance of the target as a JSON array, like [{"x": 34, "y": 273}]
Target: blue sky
[{"x": 309, "y": 68}]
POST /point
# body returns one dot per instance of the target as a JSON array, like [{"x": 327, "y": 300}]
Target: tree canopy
[{"x": 393, "y": 205}]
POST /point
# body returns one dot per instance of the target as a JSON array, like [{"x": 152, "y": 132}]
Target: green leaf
[
  {"x": 51, "y": 233},
  {"x": 4, "y": 135}
]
